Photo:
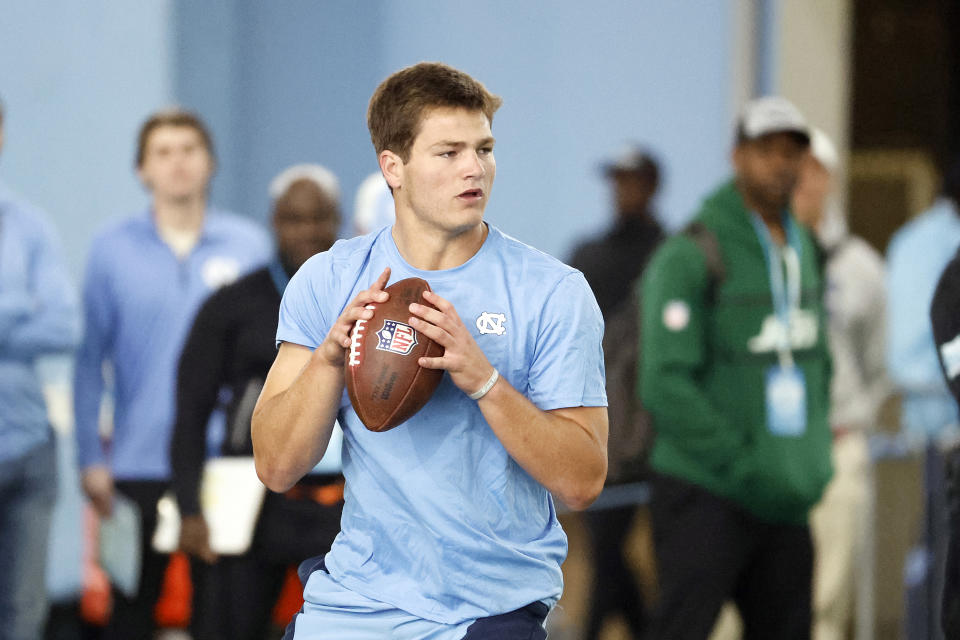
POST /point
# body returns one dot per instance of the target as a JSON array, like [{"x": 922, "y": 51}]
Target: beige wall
[
  {"x": 815, "y": 58},
  {"x": 813, "y": 52},
  {"x": 744, "y": 34}
]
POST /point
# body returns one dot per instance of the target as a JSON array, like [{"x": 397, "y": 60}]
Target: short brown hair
[
  {"x": 398, "y": 104},
  {"x": 173, "y": 117}
]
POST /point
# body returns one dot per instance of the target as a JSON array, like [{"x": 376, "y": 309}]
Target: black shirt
[
  {"x": 231, "y": 346},
  {"x": 614, "y": 261},
  {"x": 945, "y": 318}
]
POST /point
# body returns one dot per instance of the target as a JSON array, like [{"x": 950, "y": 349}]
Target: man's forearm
[
  {"x": 291, "y": 430},
  {"x": 567, "y": 455}
]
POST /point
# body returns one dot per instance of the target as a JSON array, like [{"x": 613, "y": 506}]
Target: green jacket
[{"x": 705, "y": 351}]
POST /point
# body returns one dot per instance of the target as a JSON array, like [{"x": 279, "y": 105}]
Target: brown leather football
[{"x": 385, "y": 382}]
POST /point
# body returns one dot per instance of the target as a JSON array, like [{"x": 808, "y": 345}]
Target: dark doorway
[{"x": 904, "y": 117}]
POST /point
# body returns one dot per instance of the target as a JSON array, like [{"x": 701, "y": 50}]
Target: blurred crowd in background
[
  {"x": 176, "y": 327},
  {"x": 705, "y": 521}
]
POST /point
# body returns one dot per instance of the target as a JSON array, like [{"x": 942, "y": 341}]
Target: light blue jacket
[
  {"x": 139, "y": 301},
  {"x": 38, "y": 316},
  {"x": 916, "y": 256}
]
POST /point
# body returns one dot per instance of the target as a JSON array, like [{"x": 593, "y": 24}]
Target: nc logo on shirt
[
  {"x": 396, "y": 337},
  {"x": 219, "y": 271},
  {"x": 491, "y": 323},
  {"x": 803, "y": 332}
]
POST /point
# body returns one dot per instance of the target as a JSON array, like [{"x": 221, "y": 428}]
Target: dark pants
[
  {"x": 522, "y": 624},
  {"x": 133, "y": 618},
  {"x": 234, "y": 598},
  {"x": 950, "y": 597},
  {"x": 525, "y": 623},
  {"x": 28, "y": 491},
  {"x": 710, "y": 550},
  {"x": 615, "y": 589}
]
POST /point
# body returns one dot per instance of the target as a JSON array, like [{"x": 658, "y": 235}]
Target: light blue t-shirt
[{"x": 439, "y": 521}]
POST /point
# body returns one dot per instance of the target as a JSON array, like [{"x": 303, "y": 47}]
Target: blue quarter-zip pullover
[
  {"x": 139, "y": 301},
  {"x": 38, "y": 315}
]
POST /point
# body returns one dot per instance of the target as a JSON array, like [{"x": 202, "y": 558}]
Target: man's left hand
[{"x": 462, "y": 357}]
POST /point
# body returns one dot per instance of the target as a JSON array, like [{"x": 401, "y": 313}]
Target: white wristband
[{"x": 482, "y": 391}]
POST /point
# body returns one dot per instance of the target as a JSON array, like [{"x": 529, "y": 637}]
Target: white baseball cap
[
  {"x": 771, "y": 114},
  {"x": 823, "y": 150},
  {"x": 315, "y": 173}
]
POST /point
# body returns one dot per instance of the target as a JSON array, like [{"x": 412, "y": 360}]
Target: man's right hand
[
  {"x": 333, "y": 348},
  {"x": 195, "y": 538},
  {"x": 98, "y": 485},
  {"x": 298, "y": 406}
]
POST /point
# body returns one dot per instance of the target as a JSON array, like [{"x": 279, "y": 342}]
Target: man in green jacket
[{"x": 735, "y": 372}]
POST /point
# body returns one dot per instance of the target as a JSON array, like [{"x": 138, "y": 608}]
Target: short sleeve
[
  {"x": 567, "y": 367},
  {"x": 302, "y": 319}
]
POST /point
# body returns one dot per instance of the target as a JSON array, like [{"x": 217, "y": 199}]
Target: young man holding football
[{"x": 449, "y": 528}]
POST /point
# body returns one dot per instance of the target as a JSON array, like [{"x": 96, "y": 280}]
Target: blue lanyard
[
  {"x": 786, "y": 296},
  {"x": 279, "y": 275}
]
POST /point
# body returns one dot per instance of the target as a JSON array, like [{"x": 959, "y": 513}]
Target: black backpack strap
[{"x": 707, "y": 241}]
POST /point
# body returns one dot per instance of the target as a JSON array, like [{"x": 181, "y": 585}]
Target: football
[{"x": 385, "y": 382}]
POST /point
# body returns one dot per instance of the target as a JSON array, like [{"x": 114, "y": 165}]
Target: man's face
[
  {"x": 305, "y": 220},
  {"x": 176, "y": 164},
  {"x": 447, "y": 180},
  {"x": 633, "y": 191},
  {"x": 767, "y": 168},
  {"x": 810, "y": 194}
]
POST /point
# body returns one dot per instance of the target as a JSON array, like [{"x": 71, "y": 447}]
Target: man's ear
[
  {"x": 736, "y": 156},
  {"x": 143, "y": 179},
  {"x": 273, "y": 218},
  {"x": 392, "y": 168}
]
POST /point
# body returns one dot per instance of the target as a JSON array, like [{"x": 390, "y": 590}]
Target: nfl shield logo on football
[{"x": 396, "y": 337}]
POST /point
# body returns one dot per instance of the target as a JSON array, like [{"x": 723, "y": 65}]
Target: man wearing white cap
[
  {"x": 856, "y": 299},
  {"x": 735, "y": 372}
]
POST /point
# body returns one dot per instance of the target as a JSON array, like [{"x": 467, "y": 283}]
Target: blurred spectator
[
  {"x": 146, "y": 277},
  {"x": 373, "y": 205},
  {"x": 736, "y": 375},
  {"x": 611, "y": 264},
  {"x": 613, "y": 261},
  {"x": 916, "y": 256},
  {"x": 945, "y": 320},
  {"x": 231, "y": 346},
  {"x": 856, "y": 320},
  {"x": 38, "y": 316}
]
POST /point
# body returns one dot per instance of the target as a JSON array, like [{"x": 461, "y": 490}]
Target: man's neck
[
  {"x": 184, "y": 215},
  {"x": 631, "y": 216},
  {"x": 433, "y": 249},
  {"x": 772, "y": 217}
]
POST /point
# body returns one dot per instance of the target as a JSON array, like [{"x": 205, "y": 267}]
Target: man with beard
[
  {"x": 735, "y": 373},
  {"x": 231, "y": 346}
]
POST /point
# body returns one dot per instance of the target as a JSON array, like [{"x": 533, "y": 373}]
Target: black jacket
[{"x": 945, "y": 318}]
